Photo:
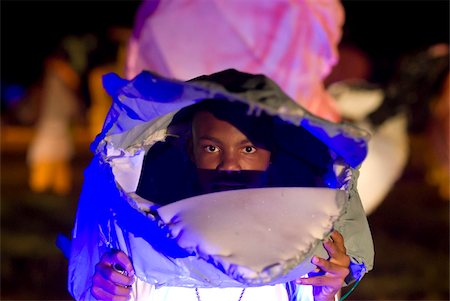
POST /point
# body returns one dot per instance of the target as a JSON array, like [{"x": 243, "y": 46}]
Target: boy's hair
[{"x": 258, "y": 129}]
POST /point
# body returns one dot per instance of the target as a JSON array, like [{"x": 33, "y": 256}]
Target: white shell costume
[{"x": 240, "y": 238}]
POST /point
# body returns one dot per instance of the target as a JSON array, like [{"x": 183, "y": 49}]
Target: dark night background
[
  {"x": 410, "y": 228},
  {"x": 30, "y": 30}
]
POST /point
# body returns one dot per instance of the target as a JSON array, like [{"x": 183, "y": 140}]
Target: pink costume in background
[{"x": 294, "y": 42}]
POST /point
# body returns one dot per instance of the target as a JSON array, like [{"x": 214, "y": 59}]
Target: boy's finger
[
  {"x": 323, "y": 281},
  {"x": 119, "y": 261},
  {"x": 337, "y": 237},
  {"x": 123, "y": 261},
  {"x": 100, "y": 294},
  {"x": 107, "y": 272},
  {"x": 330, "y": 267},
  {"x": 336, "y": 249},
  {"x": 104, "y": 285},
  {"x": 338, "y": 241}
]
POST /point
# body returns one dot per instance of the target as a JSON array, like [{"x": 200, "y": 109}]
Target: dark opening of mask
[
  {"x": 298, "y": 159},
  {"x": 222, "y": 180}
]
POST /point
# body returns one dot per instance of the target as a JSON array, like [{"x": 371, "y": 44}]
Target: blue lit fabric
[{"x": 111, "y": 214}]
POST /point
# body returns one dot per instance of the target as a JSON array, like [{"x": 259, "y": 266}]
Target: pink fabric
[{"x": 294, "y": 42}]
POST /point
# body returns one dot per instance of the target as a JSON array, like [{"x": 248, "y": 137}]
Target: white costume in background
[
  {"x": 294, "y": 42},
  {"x": 388, "y": 146},
  {"x": 52, "y": 147}
]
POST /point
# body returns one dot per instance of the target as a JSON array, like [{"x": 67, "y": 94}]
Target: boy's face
[{"x": 220, "y": 146}]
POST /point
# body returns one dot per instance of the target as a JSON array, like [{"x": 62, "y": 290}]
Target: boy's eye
[
  {"x": 211, "y": 148},
  {"x": 249, "y": 149}
]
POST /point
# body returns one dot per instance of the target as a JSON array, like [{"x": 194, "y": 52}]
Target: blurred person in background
[{"x": 61, "y": 104}]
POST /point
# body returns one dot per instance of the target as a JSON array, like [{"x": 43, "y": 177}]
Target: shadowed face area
[
  {"x": 219, "y": 145},
  {"x": 222, "y": 152}
]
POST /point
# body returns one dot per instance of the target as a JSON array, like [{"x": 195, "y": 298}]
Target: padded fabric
[{"x": 255, "y": 235}]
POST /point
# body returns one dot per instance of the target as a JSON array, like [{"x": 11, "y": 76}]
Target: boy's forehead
[
  {"x": 256, "y": 128},
  {"x": 205, "y": 123},
  {"x": 202, "y": 118}
]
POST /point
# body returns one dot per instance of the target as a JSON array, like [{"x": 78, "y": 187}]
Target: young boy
[{"x": 229, "y": 149}]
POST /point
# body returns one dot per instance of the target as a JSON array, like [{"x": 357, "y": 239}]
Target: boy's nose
[{"x": 229, "y": 162}]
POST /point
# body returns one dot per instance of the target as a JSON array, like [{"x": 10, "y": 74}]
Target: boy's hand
[
  {"x": 113, "y": 277},
  {"x": 333, "y": 271}
]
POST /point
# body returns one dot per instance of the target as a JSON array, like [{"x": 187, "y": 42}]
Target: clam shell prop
[{"x": 255, "y": 235}]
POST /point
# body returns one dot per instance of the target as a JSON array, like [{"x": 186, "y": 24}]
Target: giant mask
[{"x": 138, "y": 194}]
